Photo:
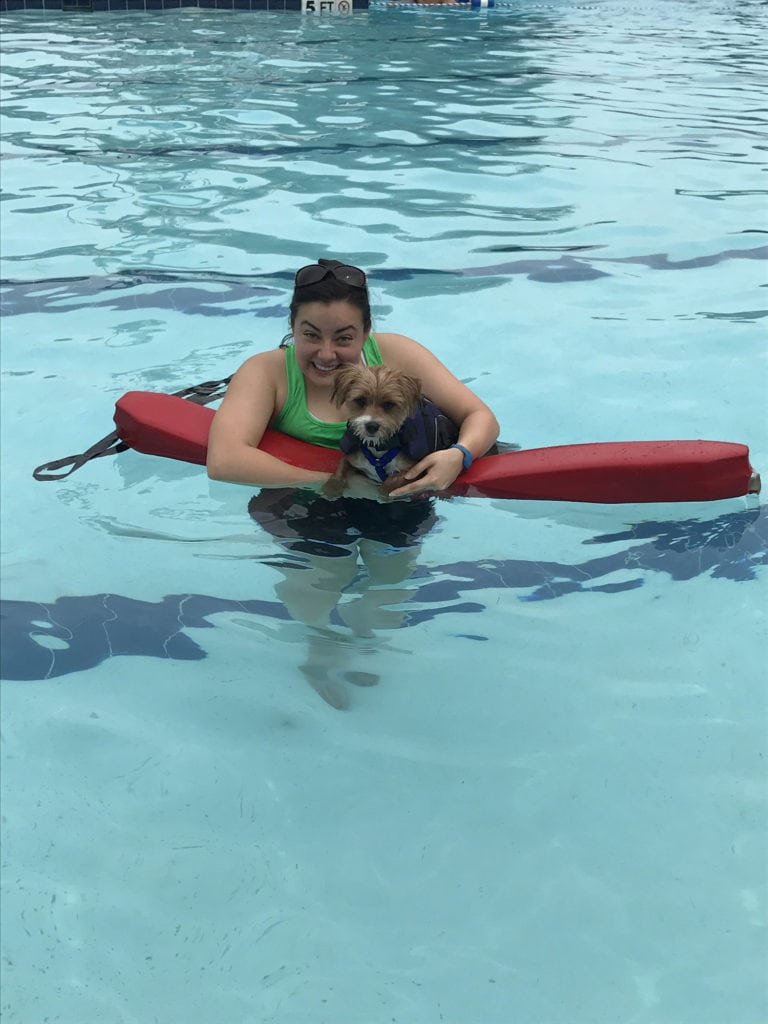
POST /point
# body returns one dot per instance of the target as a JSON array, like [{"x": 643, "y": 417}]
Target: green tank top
[{"x": 295, "y": 419}]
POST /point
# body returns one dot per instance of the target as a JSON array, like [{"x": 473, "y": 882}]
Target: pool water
[{"x": 514, "y": 774}]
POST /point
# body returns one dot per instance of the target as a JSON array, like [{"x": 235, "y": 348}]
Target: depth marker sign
[{"x": 326, "y": 6}]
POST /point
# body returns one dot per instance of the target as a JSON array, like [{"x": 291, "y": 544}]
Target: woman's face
[{"x": 327, "y": 335}]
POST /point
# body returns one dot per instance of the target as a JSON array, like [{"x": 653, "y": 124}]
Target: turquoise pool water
[{"x": 518, "y": 779}]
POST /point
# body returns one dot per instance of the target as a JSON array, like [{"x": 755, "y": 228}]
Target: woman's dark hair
[{"x": 331, "y": 289}]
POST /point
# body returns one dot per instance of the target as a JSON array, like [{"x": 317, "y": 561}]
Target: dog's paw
[
  {"x": 332, "y": 488},
  {"x": 393, "y": 482},
  {"x": 358, "y": 485}
]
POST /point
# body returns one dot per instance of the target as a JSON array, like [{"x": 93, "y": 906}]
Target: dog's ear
[
  {"x": 412, "y": 392},
  {"x": 342, "y": 383}
]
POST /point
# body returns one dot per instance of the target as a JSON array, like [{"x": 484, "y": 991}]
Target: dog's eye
[
  {"x": 360, "y": 402},
  {"x": 388, "y": 406}
]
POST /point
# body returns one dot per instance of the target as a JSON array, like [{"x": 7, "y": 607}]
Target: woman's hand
[{"x": 436, "y": 472}]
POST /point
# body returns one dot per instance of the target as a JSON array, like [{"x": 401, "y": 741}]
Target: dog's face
[{"x": 377, "y": 400}]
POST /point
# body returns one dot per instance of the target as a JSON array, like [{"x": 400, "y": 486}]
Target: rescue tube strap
[
  {"x": 200, "y": 394},
  {"x": 109, "y": 445}
]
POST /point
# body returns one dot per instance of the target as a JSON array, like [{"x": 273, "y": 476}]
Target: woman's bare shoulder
[
  {"x": 259, "y": 381},
  {"x": 387, "y": 338},
  {"x": 255, "y": 393},
  {"x": 393, "y": 345},
  {"x": 405, "y": 353},
  {"x": 264, "y": 362}
]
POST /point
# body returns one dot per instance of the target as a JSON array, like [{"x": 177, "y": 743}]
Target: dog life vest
[{"x": 429, "y": 430}]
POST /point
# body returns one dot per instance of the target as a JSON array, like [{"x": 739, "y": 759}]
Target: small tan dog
[{"x": 390, "y": 425}]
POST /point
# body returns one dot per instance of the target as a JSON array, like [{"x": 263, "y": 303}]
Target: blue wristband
[{"x": 468, "y": 456}]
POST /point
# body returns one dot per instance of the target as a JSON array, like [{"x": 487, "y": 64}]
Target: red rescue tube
[
  {"x": 615, "y": 472},
  {"x": 606, "y": 473},
  {"x": 175, "y": 428}
]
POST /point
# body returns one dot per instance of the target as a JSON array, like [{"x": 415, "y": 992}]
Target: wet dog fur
[{"x": 377, "y": 400}]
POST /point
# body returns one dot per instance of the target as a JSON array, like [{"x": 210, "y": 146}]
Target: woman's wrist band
[{"x": 468, "y": 456}]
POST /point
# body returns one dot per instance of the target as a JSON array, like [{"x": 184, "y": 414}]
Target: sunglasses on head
[{"x": 341, "y": 271}]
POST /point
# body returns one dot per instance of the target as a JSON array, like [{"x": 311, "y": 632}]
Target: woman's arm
[
  {"x": 478, "y": 427},
  {"x": 245, "y": 413}
]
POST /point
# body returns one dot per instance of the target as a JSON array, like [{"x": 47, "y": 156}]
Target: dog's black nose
[{"x": 372, "y": 427}]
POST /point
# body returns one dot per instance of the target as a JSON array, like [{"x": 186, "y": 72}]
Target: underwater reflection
[
  {"x": 342, "y": 600},
  {"x": 348, "y": 563}
]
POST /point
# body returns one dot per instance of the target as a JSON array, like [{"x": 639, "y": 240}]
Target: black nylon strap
[
  {"x": 109, "y": 445},
  {"x": 200, "y": 394}
]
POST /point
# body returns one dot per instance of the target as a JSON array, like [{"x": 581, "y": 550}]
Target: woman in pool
[{"x": 289, "y": 389}]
